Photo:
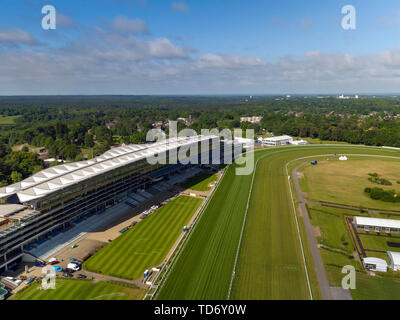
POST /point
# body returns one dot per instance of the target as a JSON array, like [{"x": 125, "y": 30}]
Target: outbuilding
[
  {"x": 377, "y": 225},
  {"x": 375, "y": 264},
  {"x": 394, "y": 260},
  {"x": 278, "y": 140}
]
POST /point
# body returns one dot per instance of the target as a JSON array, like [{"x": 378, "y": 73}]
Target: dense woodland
[{"x": 79, "y": 127}]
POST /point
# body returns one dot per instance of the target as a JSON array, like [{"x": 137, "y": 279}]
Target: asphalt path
[{"x": 319, "y": 266}]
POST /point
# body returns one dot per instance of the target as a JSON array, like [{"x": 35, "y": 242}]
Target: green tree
[{"x": 16, "y": 176}]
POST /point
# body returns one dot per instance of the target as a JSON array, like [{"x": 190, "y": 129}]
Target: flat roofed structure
[
  {"x": 394, "y": 260},
  {"x": 7, "y": 210},
  {"x": 378, "y": 225},
  {"x": 375, "y": 264},
  {"x": 58, "y": 177},
  {"x": 278, "y": 140},
  {"x": 59, "y": 197}
]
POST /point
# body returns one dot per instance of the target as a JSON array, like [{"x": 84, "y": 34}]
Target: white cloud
[
  {"x": 65, "y": 21},
  {"x": 16, "y": 37},
  {"x": 108, "y": 61},
  {"x": 180, "y": 6},
  {"x": 125, "y": 25}
]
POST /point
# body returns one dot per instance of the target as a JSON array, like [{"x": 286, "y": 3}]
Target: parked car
[
  {"x": 29, "y": 280},
  {"x": 81, "y": 276},
  {"x": 67, "y": 275},
  {"x": 74, "y": 266}
]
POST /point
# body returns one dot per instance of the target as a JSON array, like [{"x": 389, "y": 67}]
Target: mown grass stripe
[{"x": 146, "y": 244}]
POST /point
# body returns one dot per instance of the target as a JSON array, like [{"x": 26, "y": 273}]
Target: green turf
[
  {"x": 204, "y": 267},
  {"x": 344, "y": 182},
  {"x": 146, "y": 244},
  {"x": 376, "y": 288},
  {"x": 332, "y": 227},
  {"x": 378, "y": 243},
  {"x": 8, "y": 120},
  {"x": 201, "y": 182},
  {"x": 74, "y": 289},
  {"x": 270, "y": 265}
]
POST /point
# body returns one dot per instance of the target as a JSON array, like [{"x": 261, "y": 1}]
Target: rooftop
[
  {"x": 55, "y": 178},
  {"x": 278, "y": 138},
  {"x": 376, "y": 222},
  {"x": 372, "y": 260},
  {"x": 10, "y": 209},
  {"x": 394, "y": 257}
]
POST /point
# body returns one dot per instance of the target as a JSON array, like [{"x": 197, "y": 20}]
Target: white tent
[
  {"x": 342, "y": 158},
  {"x": 394, "y": 260},
  {"x": 375, "y": 264}
]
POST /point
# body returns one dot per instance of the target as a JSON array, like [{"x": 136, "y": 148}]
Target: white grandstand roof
[
  {"x": 375, "y": 222},
  {"x": 55, "y": 178},
  {"x": 278, "y": 138},
  {"x": 394, "y": 257}
]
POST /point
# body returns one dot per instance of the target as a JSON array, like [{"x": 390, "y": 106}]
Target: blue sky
[{"x": 199, "y": 47}]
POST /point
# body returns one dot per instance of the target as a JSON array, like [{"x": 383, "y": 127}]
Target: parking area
[{"x": 93, "y": 233}]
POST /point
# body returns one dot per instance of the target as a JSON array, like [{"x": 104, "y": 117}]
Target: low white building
[
  {"x": 278, "y": 140},
  {"x": 394, "y": 260},
  {"x": 248, "y": 144},
  {"x": 375, "y": 264},
  {"x": 377, "y": 225},
  {"x": 299, "y": 142}
]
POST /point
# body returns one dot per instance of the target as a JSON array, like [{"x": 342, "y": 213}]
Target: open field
[
  {"x": 335, "y": 235},
  {"x": 74, "y": 289},
  {"x": 201, "y": 182},
  {"x": 146, "y": 244},
  {"x": 333, "y": 232},
  {"x": 344, "y": 181},
  {"x": 270, "y": 264},
  {"x": 319, "y": 141},
  {"x": 371, "y": 242},
  {"x": 8, "y": 120}
]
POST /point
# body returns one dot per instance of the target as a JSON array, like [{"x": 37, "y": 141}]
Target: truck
[{"x": 314, "y": 162}]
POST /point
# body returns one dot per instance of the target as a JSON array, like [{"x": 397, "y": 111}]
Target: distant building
[
  {"x": 299, "y": 142},
  {"x": 278, "y": 140},
  {"x": 247, "y": 143},
  {"x": 253, "y": 119},
  {"x": 347, "y": 97},
  {"x": 158, "y": 125},
  {"x": 394, "y": 260},
  {"x": 111, "y": 124},
  {"x": 375, "y": 264},
  {"x": 187, "y": 121},
  {"x": 377, "y": 225}
]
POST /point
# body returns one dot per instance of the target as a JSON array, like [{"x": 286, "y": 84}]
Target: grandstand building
[
  {"x": 52, "y": 199},
  {"x": 278, "y": 140}
]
